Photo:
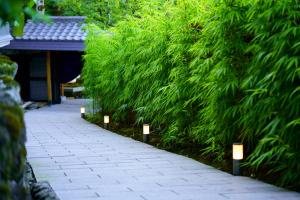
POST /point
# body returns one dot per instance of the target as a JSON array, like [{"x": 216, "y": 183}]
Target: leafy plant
[
  {"x": 104, "y": 13},
  {"x": 14, "y": 12},
  {"x": 271, "y": 106},
  {"x": 208, "y": 72}
]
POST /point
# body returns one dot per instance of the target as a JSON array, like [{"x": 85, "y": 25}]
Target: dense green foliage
[
  {"x": 211, "y": 72},
  {"x": 14, "y": 12},
  {"x": 12, "y": 136},
  {"x": 104, "y": 13}
]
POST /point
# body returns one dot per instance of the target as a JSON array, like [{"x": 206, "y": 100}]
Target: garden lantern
[
  {"x": 237, "y": 155},
  {"x": 146, "y": 132},
  {"x": 82, "y": 111},
  {"x": 106, "y": 121}
]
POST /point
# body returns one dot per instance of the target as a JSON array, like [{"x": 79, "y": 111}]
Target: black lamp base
[
  {"x": 236, "y": 171},
  {"x": 146, "y": 138}
]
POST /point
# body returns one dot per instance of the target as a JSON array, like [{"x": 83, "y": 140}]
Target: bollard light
[
  {"x": 237, "y": 155},
  {"x": 106, "y": 121},
  {"x": 146, "y": 132},
  {"x": 82, "y": 111},
  {"x": 146, "y": 129},
  {"x": 237, "y": 151}
]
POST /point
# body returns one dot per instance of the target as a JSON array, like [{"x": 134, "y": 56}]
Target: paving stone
[
  {"x": 83, "y": 161},
  {"x": 263, "y": 195},
  {"x": 73, "y": 194},
  {"x": 69, "y": 186}
]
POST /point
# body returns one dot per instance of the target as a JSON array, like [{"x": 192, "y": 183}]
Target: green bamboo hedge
[{"x": 211, "y": 72}]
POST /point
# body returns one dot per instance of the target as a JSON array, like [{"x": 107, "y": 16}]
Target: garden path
[{"x": 83, "y": 161}]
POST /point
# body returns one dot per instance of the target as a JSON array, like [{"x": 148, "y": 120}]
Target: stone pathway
[{"x": 82, "y": 161}]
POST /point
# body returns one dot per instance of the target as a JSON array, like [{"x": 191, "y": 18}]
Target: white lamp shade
[
  {"x": 146, "y": 129},
  {"x": 106, "y": 119},
  {"x": 237, "y": 151},
  {"x": 82, "y": 110}
]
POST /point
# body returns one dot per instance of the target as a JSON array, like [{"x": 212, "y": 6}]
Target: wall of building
[{"x": 32, "y": 76}]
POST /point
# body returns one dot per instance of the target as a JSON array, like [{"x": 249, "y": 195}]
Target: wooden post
[
  {"x": 49, "y": 82},
  {"x": 62, "y": 89}
]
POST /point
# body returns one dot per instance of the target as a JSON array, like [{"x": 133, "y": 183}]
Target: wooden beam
[
  {"x": 62, "y": 89},
  {"x": 49, "y": 82}
]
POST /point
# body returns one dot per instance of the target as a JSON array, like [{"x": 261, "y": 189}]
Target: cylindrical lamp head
[
  {"x": 82, "y": 110},
  {"x": 146, "y": 129},
  {"x": 237, "y": 151},
  {"x": 106, "y": 119}
]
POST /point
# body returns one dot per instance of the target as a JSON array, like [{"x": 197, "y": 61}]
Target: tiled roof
[{"x": 61, "y": 28}]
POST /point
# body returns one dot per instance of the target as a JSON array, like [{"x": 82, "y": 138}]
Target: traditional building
[{"x": 48, "y": 55}]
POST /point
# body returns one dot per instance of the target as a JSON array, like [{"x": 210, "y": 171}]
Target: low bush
[{"x": 208, "y": 72}]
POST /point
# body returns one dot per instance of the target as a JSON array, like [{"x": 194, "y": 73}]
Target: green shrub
[
  {"x": 104, "y": 13},
  {"x": 208, "y": 72},
  {"x": 271, "y": 106}
]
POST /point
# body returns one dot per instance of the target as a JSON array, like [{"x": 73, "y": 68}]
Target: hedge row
[{"x": 211, "y": 72}]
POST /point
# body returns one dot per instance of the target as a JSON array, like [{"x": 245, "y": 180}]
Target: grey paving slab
[{"x": 82, "y": 161}]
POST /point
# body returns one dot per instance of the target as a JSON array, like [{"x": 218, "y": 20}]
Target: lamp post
[
  {"x": 146, "y": 132},
  {"x": 82, "y": 111},
  {"x": 237, "y": 156},
  {"x": 106, "y": 121}
]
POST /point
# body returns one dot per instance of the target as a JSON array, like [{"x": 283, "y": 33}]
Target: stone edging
[{"x": 41, "y": 190}]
